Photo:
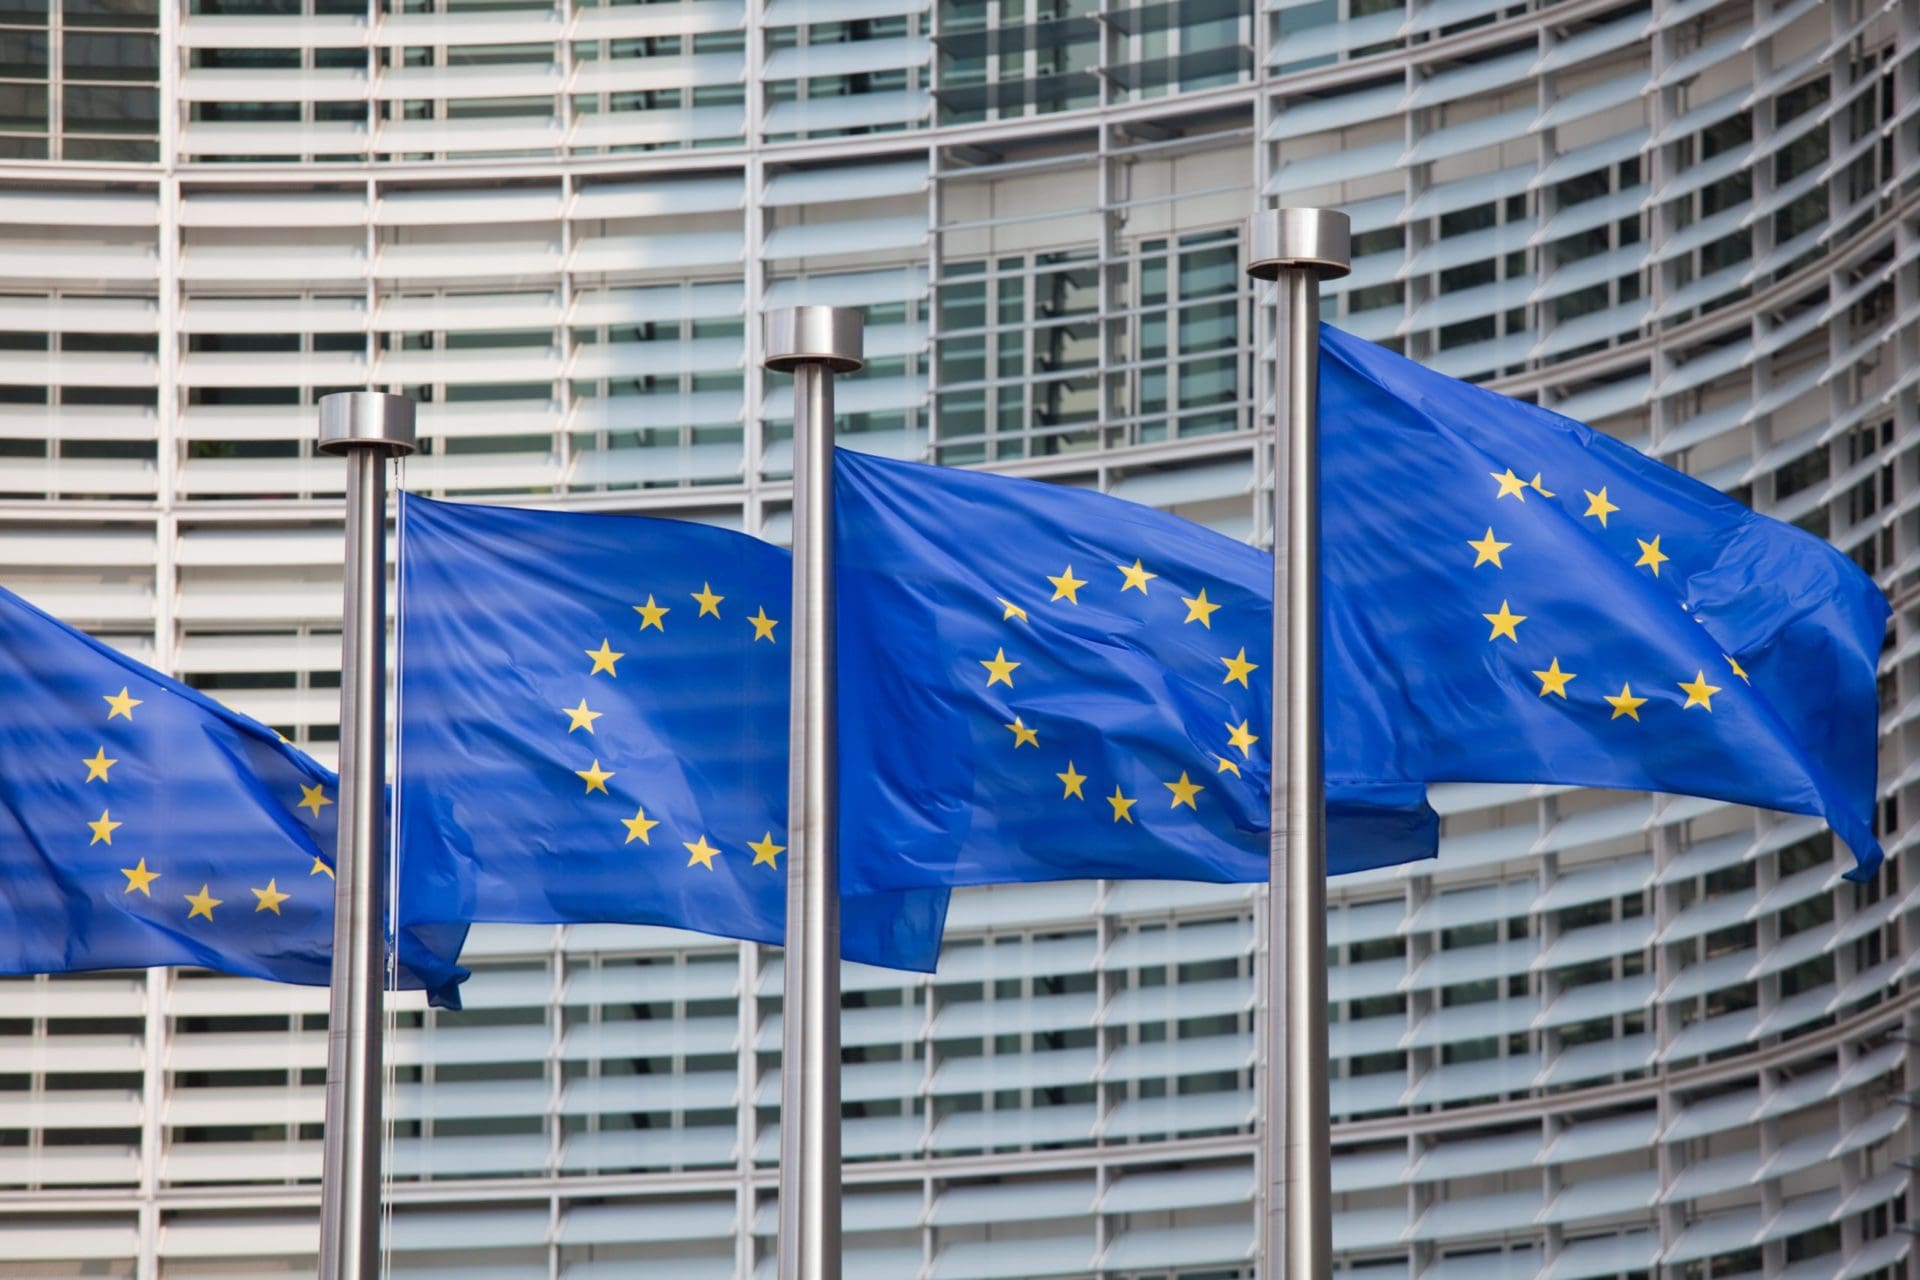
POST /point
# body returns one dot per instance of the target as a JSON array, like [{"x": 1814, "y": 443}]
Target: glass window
[
  {"x": 111, "y": 13},
  {"x": 111, "y": 56},
  {"x": 110, "y": 109},
  {"x": 23, "y": 106},
  {"x": 23, "y": 53}
]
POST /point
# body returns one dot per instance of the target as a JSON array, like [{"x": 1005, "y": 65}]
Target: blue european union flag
[
  {"x": 593, "y": 727},
  {"x": 1513, "y": 597},
  {"x": 142, "y": 823},
  {"x": 1045, "y": 683}
]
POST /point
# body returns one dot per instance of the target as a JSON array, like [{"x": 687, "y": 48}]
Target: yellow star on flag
[
  {"x": 313, "y": 797},
  {"x": 763, "y": 626},
  {"x": 1598, "y": 506},
  {"x": 1737, "y": 669},
  {"x": 1625, "y": 704},
  {"x": 1239, "y": 736},
  {"x": 1071, "y": 780},
  {"x": 1022, "y": 736},
  {"x": 1200, "y": 609},
  {"x": 1488, "y": 550},
  {"x": 709, "y": 602},
  {"x": 1511, "y": 485},
  {"x": 999, "y": 670},
  {"x": 1121, "y": 804},
  {"x": 651, "y": 614},
  {"x": 320, "y": 867},
  {"x": 203, "y": 903},
  {"x": 595, "y": 778},
  {"x": 1699, "y": 692},
  {"x": 1651, "y": 556},
  {"x": 1183, "y": 792},
  {"x": 119, "y": 704},
  {"x": 103, "y": 829},
  {"x": 580, "y": 717},
  {"x": 97, "y": 767},
  {"x": 1504, "y": 623},
  {"x": 1238, "y": 668},
  {"x": 138, "y": 877},
  {"x": 270, "y": 897},
  {"x": 1065, "y": 585},
  {"x": 701, "y": 852},
  {"x": 1227, "y": 766},
  {"x": 1553, "y": 679},
  {"x": 1539, "y": 488},
  {"x": 638, "y": 826},
  {"x": 766, "y": 851},
  {"x": 1012, "y": 610},
  {"x": 603, "y": 659},
  {"x": 1137, "y": 577}
]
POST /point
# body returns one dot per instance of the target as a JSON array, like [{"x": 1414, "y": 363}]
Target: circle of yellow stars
[
  {"x": 140, "y": 877},
  {"x": 605, "y": 660},
  {"x": 1504, "y": 624},
  {"x": 1183, "y": 791}
]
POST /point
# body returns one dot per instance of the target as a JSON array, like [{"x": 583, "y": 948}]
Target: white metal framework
[{"x": 1605, "y": 1035}]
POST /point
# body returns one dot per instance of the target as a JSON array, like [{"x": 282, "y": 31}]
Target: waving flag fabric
[
  {"x": 593, "y": 727},
  {"x": 1044, "y": 683},
  {"x": 1513, "y": 597},
  {"x": 141, "y": 823}
]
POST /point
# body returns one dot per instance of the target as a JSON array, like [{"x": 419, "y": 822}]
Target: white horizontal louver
[
  {"x": 848, "y": 57},
  {"x": 865, "y": 182},
  {"x": 851, "y": 111}
]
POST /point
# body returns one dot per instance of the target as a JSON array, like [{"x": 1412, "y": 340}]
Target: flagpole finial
[
  {"x": 352, "y": 420},
  {"x": 1278, "y": 239},
  {"x": 830, "y": 336}
]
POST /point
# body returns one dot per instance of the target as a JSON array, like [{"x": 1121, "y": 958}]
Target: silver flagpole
[
  {"x": 367, "y": 428},
  {"x": 1297, "y": 248},
  {"x": 814, "y": 344}
]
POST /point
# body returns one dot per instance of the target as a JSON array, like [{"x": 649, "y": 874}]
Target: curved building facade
[{"x": 1604, "y": 1035}]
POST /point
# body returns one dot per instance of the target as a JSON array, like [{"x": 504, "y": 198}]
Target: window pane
[
  {"x": 23, "y": 106},
  {"x": 105, "y": 56},
  {"x": 144, "y": 150},
  {"x": 92, "y": 109},
  {"x": 23, "y": 53},
  {"x": 111, "y": 13}
]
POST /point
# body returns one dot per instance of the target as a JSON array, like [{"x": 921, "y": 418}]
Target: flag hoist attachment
[
  {"x": 1297, "y": 249},
  {"x": 368, "y": 428},
  {"x": 814, "y": 344}
]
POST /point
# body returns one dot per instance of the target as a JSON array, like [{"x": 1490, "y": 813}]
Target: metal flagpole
[
  {"x": 1297, "y": 248},
  {"x": 367, "y": 428},
  {"x": 814, "y": 344}
]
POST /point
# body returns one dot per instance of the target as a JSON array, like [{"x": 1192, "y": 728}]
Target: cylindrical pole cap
[
  {"x": 1318, "y": 239},
  {"x": 353, "y": 420},
  {"x": 832, "y": 336}
]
